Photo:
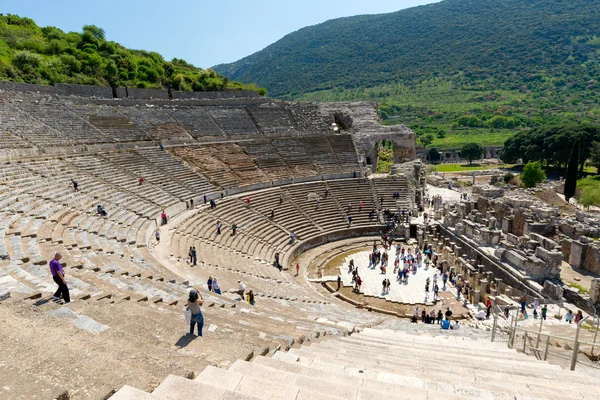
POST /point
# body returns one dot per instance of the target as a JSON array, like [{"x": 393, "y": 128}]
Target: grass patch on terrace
[{"x": 466, "y": 167}]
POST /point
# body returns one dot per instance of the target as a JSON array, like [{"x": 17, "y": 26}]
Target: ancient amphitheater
[{"x": 273, "y": 169}]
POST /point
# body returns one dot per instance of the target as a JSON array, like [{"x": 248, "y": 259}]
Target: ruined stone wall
[{"x": 363, "y": 121}]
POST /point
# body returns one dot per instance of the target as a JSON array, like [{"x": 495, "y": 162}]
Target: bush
[
  {"x": 508, "y": 177},
  {"x": 532, "y": 174}
]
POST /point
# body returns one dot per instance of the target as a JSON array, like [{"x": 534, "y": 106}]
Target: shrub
[
  {"x": 508, "y": 177},
  {"x": 532, "y": 174}
]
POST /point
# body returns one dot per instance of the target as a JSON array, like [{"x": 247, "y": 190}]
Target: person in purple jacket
[{"x": 58, "y": 275}]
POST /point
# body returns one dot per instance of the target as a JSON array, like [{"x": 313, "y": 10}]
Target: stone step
[
  {"x": 352, "y": 343},
  {"x": 366, "y": 362},
  {"x": 430, "y": 379},
  {"x": 131, "y": 393},
  {"x": 178, "y": 388},
  {"x": 432, "y": 354}
]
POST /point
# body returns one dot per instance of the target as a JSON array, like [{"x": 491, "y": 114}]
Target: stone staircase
[{"x": 383, "y": 363}]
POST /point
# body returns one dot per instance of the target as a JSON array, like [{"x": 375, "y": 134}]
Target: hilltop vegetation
[
  {"x": 459, "y": 70},
  {"x": 45, "y": 55}
]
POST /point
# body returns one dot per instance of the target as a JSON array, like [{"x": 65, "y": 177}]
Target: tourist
[
  {"x": 194, "y": 302},
  {"x": 213, "y": 204},
  {"x": 444, "y": 280},
  {"x": 357, "y": 282},
  {"x": 292, "y": 237},
  {"x": 436, "y": 290},
  {"x": 384, "y": 284},
  {"x": 248, "y": 201},
  {"x": 536, "y": 304},
  {"x": 75, "y": 185},
  {"x": 164, "y": 217},
  {"x": 272, "y": 214},
  {"x": 194, "y": 256},
  {"x": 349, "y": 219},
  {"x": 219, "y": 227},
  {"x": 360, "y": 206},
  {"x": 209, "y": 283},
  {"x": 569, "y": 317},
  {"x": 448, "y": 313},
  {"x": 191, "y": 203},
  {"x": 277, "y": 259},
  {"x": 160, "y": 146},
  {"x": 423, "y": 316},
  {"x": 523, "y": 303},
  {"x": 445, "y": 324},
  {"x": 339, "y": 282},
  {"x": 326, "y": 191},
  {"x": 297, "y": 269},
  {"x": 544, "y": 312},
  {"x": 141, "y": 181},
  {"x": 58, "y": 276},
  {"x": 241, "y": 289},
  {"x": 190, "y": 255},
  {"x": 222, "y": 195},
  {"x": 157, "y": 236},
  {"x": 101, "y": 211},
  {"x": 233, "y": 228},
  {"x": 440, "y": 317},
  {"x": 215, "y": 286},
  {"x": 488, "y": 306},
  {"x": 480, "y": 315},
  {"x": 251, "y": 297},
  {"x": 280, "y": 198},
  {"x": 349, "y": 206},
  {"x": 205, "y": 199},
  {"x": 578, "y": 317},
  {"x": 455, "y": 326}
]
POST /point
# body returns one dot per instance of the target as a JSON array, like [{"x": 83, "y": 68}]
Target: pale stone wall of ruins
[{"x": 363, "y": 121}]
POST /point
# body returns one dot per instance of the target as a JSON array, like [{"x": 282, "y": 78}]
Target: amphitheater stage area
[
  {"x": 411, "y": 292},
  {"x": 243, "y": 181}
]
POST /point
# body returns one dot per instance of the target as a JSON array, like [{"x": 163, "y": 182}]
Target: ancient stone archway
[{"x": 368, "y": 148}]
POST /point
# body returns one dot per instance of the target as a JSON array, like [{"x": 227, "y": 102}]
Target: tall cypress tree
[{"x": 571, "y": 181}]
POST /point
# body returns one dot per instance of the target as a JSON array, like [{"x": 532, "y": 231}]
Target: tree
[
  {"x": 426, "y": 140},
  {"x": 532, "y": 174},
  {"x": 471, "y": 151},
  {"x": 572, "y": 172},
  {"x": 434, "y": 155},
  {"x": 595, "y": 154}
]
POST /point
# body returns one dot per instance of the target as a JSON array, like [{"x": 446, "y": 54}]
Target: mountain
[
  {"x": 500, "y": 42},
  {"x": 46, "y": 55},
  {"x": 452, "y": 69}
]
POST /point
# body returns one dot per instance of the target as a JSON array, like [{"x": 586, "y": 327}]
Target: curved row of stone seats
[
  {"x": 349, "y": 194},
  {"x": 400, "y": 183},
  {"x": 295, "y": 209},
  {"x": 93, "y": 190},
  {"x": 322, "y": 154},
  {"x": 125, "y": 181},
  {"x": 27, "y": 120},
  {"x": 108, "y": 120},
  {"x": 295, "y": 157},
  {"x": 308, "y": 117},
  {"x": 233, "y": 120},
  {"x": 175, "y": 169},
  {"x": 133, "y": 326},
  {"x": 12, "y": 141},
  {"x": 225, "y": 164},
  {"x": 272, "y": 117},
  {"x": 141, "y": 167},
  {"x": 343, "y": 147},
  {"x": 382, "y": 364},
  {"x": 197, "y": 121},
  {"x": 157, "y": 122}
]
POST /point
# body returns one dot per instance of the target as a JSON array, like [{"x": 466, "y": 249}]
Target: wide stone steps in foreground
[{"x": 382, "y": 363}]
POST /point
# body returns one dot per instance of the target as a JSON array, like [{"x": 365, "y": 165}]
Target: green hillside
[
  {"x": 456, "y": 70},
  {"x": 45, "y": 55}
]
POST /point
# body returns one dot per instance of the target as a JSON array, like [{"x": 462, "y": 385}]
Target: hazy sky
[{"x": 202, "y": 32}]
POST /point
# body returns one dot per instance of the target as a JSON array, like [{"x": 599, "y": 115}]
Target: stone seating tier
[{"x": 374, "y": 364}]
